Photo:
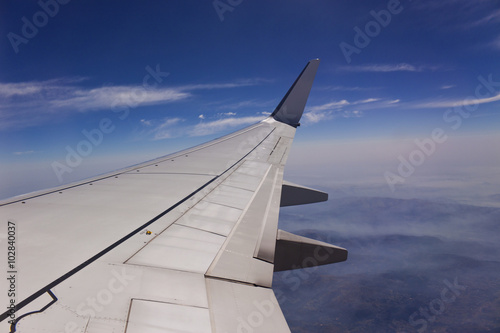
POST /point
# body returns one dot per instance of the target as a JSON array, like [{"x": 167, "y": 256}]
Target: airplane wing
[{"x": 184, "y": 243}]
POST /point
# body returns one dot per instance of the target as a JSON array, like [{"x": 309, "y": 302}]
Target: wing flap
[
  {"x": 237, "y": 307},
  {"x": 295, "y": 252},
  {"x": 154, "y": 317},
  {"x": 293, "y": 194},
  {"x": 180, "y": 248},
  {"x": 236, "y": 259},
  {"x": 215, "y": 218}
]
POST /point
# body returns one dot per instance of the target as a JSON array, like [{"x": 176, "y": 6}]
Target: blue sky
[{"x": 153, "y": 77}]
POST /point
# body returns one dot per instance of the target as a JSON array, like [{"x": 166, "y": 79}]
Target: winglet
[{"x": 292, "y": 105}]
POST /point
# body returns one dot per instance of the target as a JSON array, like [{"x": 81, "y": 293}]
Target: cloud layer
[
  {"x": 172, "y": 127},
  {"x": 385, "y": 68},
  {"x": 344, "y": 109},
  {"x": 468, "y": 101},
  {"x": 29, "y": 103}
]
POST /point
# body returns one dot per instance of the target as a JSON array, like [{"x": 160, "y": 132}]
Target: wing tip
[{"x": 291, "y": 107}]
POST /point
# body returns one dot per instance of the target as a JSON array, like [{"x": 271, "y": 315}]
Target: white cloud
[
  {"x": 32, "y": 103},
  {"x": 495, "y": 43},
  {"x": 58, "y": 95},
  {"x": 19, "y": 89},
  {"x": 368, "y": 100},
  {"x": 166, "y": 129},
  {"x": 449, "y": 86},
  {"x": 456, "y": 102},
  {"x": 344, "y": 103},
  {"x": 110, "y": 97},
  {"x": 491, "y": 18},
  {"x": 201, "y": 116},
  {"x": 343, "y": 88},
  {"x": 323, "y": 112},
  {"x": 169, "y": 122},
  {"x": 235, "y": 84},
  {"x": 328, "y": 111},
  {"x": 345, "y": 109},
  {"x": 146, "y": 122},
  {"x": 171, "y": 127},
  {"x": 316, "y": 117},
  {"x": 245, "y": 105},
  {"x": 35, "y": 87},
  {"x": 24, "y": 152},
  {"x": 402, "y": 67},
  {"x": 329, "y": 106}
]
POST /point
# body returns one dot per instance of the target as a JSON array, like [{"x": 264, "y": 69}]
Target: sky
[{"x": 89, "y": 87}]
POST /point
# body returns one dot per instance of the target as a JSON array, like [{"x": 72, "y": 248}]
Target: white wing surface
[{"x": 184, "y": 243}]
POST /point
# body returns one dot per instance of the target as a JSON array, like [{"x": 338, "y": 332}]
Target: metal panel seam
[
  {"x": 235, "y": 227},
  {"x": 266, "y": 214}
]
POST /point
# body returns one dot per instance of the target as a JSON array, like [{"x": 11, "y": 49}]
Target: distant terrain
[{"x": 413, "y": 266}]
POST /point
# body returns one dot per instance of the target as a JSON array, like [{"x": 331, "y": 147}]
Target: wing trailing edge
[{"x": 291, "y": 107}]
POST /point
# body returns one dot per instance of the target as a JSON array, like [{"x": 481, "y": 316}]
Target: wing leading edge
[{"x": 185, "y": 242}]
